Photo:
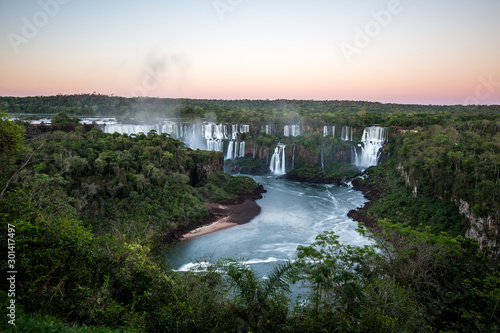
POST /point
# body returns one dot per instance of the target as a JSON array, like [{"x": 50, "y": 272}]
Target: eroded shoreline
[{"x": 227, "y": 216}]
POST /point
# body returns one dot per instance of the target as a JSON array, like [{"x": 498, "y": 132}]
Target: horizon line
[{"x": 245, "y": 99}]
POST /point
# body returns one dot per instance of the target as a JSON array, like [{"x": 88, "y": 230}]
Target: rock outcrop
[
  {"x": 484, "y": 229},
  {"x": 205, "y": 164}
]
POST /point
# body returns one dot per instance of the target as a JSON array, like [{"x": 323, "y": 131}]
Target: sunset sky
[{"x": 419, "y": 52}]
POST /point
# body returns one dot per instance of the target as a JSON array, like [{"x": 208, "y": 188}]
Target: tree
[
  {"x": 11, "y": 137},
  {"x": 63, "y": 119},
  {"x": 254, "y": 297}
]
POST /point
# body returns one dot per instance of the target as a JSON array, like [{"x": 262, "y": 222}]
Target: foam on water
[{"x": 292, "y": 214}]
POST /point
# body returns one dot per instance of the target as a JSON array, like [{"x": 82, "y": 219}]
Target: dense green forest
[{"x": 93, "y": 211}]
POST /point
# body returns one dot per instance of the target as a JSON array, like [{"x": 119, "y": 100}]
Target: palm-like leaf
[{"x": 254, "y": 293}]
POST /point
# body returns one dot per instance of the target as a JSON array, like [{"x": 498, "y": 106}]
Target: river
[{"x": 292, "y": 214}]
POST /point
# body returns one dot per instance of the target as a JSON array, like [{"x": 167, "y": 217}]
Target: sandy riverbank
[{"x": 227, "y": 216}]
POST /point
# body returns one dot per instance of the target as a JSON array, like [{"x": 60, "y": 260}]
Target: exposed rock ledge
[
  {"x": 371, "y": 193},
  {"x": 485, "y": 230}
]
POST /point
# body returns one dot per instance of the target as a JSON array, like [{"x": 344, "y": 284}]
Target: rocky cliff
[
  {"x": 205, "y": 164},
  {"x": 484, "y": 229}
]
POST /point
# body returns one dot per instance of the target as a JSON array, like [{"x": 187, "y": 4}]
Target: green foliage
[
  {"x": 247, "y": 165},
  {"x": 259, "y": 303},
  {"x": 39, "y": 323},
  {"x": 455, "y": 163},
  {"x": 409, "y": 281},
  {"x": 222, "y": 187},
  {"x": 438, "y": 269},
  {"x": 399, "y": 205},
  {"x": 11, "y": 140},
  {"x": 126, "y": 185},
  {"x": 334, "y": 172},
  {"x": 92, "y": 210},
  {"x": 63, "y": 119},
  {"x": 351, "y": 291},
  {"x": 341, "y": 170}
]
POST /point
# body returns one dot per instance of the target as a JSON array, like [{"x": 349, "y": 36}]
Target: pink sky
[{"x": 411, "y": 52}]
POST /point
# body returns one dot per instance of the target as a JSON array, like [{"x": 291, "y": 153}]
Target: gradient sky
[{"x": 420, "y": 51}]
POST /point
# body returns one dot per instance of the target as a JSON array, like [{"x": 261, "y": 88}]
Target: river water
[{"x": 292, "y": 214}]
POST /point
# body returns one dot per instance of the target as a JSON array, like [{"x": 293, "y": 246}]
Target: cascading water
[
  {"x": 238, "y": 129},
  {"x": 322, "y": 159},
  {"x": 291, "y": 130},
  {"x": 327, "y": 130},
  {"x": 346, "y": 134},
  {"x": 242, "y": 149},
  {"x": 172, "y": 129},
  {"x": 131, "y": 129},
  {"x": 230, "y": 150},
  {"x": 206, "y": 136},
  {"x": 215, "y": 145},
  {"x": 293, "y": 157},
  {"x": 372, "y": 141},
  {"x": 236, "y": 153},
  {"x": 277, "y": 165},
  {"x": 235, "y": 149}
]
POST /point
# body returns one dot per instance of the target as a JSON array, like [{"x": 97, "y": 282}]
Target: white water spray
[
  {"x": 372, "y": 141},
  {"x": 277, "y": 165},
  {"x": 291, "y": 130}
]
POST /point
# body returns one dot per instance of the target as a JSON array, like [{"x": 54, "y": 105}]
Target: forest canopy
[{"x": 93, "y": 213}]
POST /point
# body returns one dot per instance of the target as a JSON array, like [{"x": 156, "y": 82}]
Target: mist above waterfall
[{"x": 226, "y": 138}]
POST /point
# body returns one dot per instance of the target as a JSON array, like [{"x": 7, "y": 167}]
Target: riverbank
[
  {"x": 222, "y": 215},
  {"x": 370, "y": 192},
  {"x": 226, "y": 216}
]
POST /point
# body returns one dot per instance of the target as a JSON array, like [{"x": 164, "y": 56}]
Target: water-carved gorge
[
  {"x": 422, "y": 169},
  {"x": 241, "y": 141}
]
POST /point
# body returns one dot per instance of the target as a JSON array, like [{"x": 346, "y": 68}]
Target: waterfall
[
  {"x": 354, "y": 155},
  {"x": 131, "y": 129},
  {"x": 234, "y": 131},
  {"x": 253, "y": 154},
  {"x": 245, "y": 128},
  {"x": 207, "y": 131},
  {"x": 277, "y": 165},
  {"x": 235, "y": 149},
  {"x": 372, "y": 141},
  {"x": 346, "y": 133},
  {"x": 172, "y": 129},
  {"x": 242, "y": 149},
  {"x": 322, "y": 160},
  {"x": 215, "y": 145},
  {"x": 268, "y": 129},
  {"x": 326, "y": 130},
  {"x": 236, "y": 153},
  {"x": 237, "y": 129},
  {"x": 291, "y": 130},
  {"x": 219, "y": 132},
  {"x": 206, "y": 136},
  {"x": 230, "y": 148},
  {"x": 293, "y": 157}
]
